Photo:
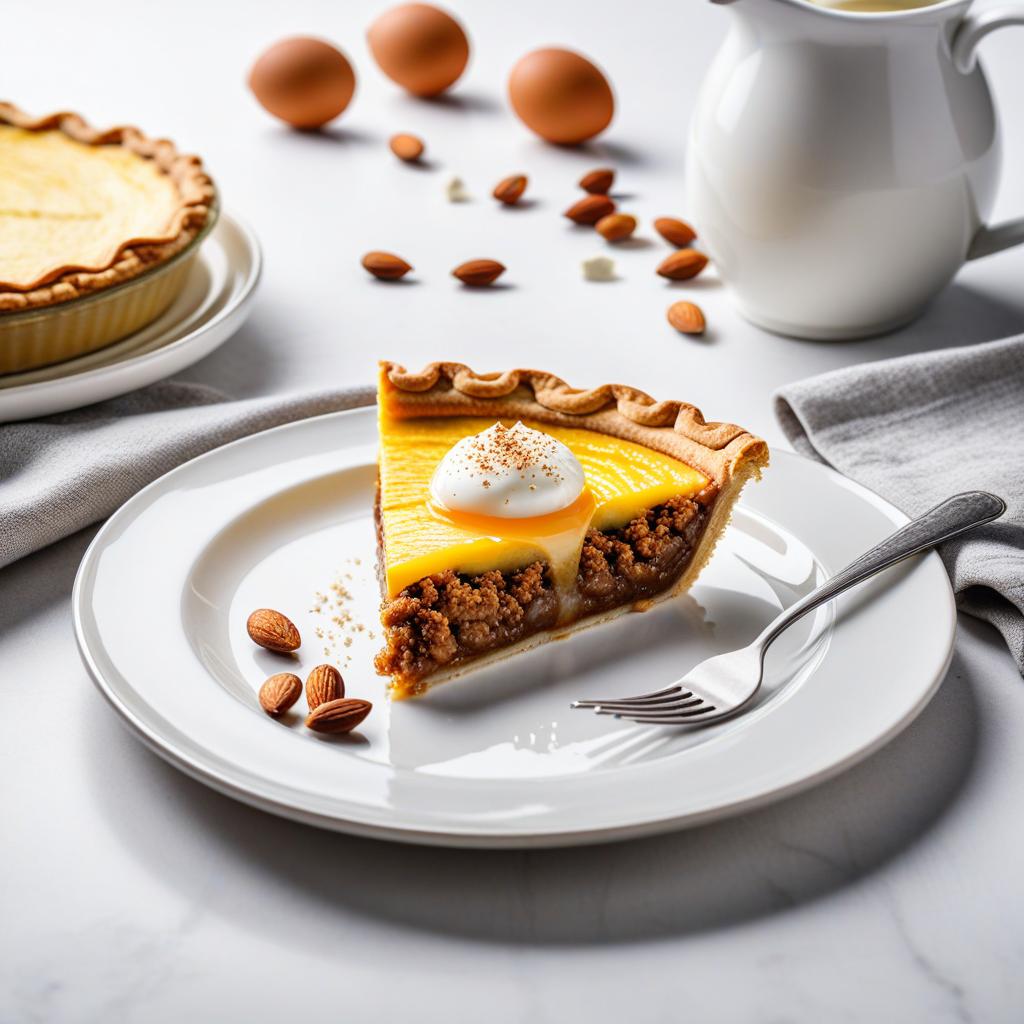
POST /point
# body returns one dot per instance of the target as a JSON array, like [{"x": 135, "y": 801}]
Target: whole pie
[
  {"x": 513, "y": 508},
  {"x": 83, "y": 211}
]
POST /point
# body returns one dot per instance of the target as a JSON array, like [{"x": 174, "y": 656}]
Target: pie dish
[
  {"x": 461, "y": 591},
  {"x": 97, "y": 231}
]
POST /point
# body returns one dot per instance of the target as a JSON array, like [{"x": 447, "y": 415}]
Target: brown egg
[
  {"x": 303, "y": 81},
  {"x": 561, "y": 96},
  {"x": 420, "y": 47}
]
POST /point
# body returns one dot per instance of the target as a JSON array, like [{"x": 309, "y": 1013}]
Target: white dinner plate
[
  {"x": 496, "y": 758},
  {"x": 213, "y": 305}
]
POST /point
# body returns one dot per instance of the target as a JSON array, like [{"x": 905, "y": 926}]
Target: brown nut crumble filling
[
  {"x": 642, "y": 559},
  {"x": 450, "y": 617}
]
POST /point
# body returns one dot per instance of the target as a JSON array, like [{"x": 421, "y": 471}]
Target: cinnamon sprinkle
[{"x": 510, "y": 448}]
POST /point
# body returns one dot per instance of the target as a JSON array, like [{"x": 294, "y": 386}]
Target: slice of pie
[{"x": 513, "y": 508}]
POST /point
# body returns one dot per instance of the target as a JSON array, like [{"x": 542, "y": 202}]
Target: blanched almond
[
  {"x": 686, "y": 317},
  {"x": 590, "y": 209},
  {"x": 456, "y": 192},
  {"x": 598, "y": 268},
  {"x": 598, "y": 181},
  {"x": 478, "y": 273},
  {"x": 509, "y": 190},
  {"x": 675, "y": 232},
  {"x": 683, "y": 265},
  {"x": 386, "y": 266},
  {"x": 616, "y": 226},
  {"x": 407, "y": 147}
]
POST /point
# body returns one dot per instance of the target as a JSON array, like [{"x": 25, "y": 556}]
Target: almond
[
  {"x": 323, "y": 685},
  {"x": 386, "y": 266},
  {"x": 616, "y": 226},
  {"x": 337, "y": 716},
  {"x": 590, "y": 209},
  {"x": 279, "y": 693},
  {"x": 477, "y": 273},
  {"x": 675, "y": 232},
  {"x": 508, "y": 190},
  {"x": 686, "y": 317},
  {"x": 682, "y": 265},
  {"x": 272, "y": 630},
  {"x": 407, "y": 147},
  {"x": 598, "y": 181}
]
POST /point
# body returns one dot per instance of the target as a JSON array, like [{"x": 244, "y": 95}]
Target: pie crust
[
  {"x": 129, "y": 257},
  {"x": 719, "y": 450},
  {"x": 726, "y": 454}
]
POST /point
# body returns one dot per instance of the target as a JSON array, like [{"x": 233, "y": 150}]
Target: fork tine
[
  {"x": 669, "y": 691},
  {"x": 697, "y": 707},
  {"x": 642, "y": 705},
  {"x": 683, "y": 700},
  {"x": 694, "y": 716}
]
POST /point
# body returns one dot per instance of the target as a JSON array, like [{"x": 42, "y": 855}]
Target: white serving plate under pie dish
[{"x": 497, "y": 758}]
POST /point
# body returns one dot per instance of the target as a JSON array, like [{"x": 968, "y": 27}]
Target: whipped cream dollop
[{"x": 511, "y": 472}]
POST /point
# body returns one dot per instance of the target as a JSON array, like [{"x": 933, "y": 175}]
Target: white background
[{"x": 128, "y": 892}]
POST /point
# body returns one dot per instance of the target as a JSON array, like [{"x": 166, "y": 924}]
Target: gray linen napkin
[
  {"x": 919, "y": 428},
  {"x": 63, "y": 473}
]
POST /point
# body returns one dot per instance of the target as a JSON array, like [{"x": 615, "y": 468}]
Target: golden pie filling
[
  {"x": 459, "y": 586},
  {"x": 623, "y": 480},
  {"x": 68, "y": 205}
]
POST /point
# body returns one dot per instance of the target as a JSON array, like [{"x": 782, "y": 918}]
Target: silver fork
[{"x": 722, "y": 685}]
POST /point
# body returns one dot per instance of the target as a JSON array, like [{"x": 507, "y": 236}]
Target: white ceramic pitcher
[{"x": 842, "y": 166}]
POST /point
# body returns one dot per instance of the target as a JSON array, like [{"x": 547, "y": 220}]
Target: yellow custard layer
[
  {"x": 65, "y": 203},
  {"x": 623, "y": 479}
]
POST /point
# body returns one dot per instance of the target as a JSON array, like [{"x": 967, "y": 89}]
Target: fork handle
[{"x": 954, "y": 516}]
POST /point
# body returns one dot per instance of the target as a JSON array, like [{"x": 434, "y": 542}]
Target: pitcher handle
[{"x": 969, "y": 35}]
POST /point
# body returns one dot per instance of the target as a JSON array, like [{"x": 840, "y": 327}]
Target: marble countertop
[{"x": 131, "y": 893}]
